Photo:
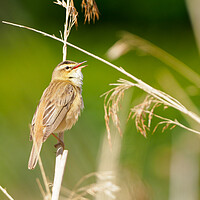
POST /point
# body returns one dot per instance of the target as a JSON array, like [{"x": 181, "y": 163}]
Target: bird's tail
[{"x": 35, "y": 152}]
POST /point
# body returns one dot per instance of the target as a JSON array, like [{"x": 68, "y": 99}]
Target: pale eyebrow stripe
[{"x": 63, "y": 66}]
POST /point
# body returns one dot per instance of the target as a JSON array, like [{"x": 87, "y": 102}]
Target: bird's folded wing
[{"x": 59, "y": 97}]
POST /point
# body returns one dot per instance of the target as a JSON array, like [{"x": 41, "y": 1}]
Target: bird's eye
[{"x": 67, "y": 67}]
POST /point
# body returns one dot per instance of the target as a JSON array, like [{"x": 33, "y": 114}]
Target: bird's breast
[{"x": 72, "y": 115}]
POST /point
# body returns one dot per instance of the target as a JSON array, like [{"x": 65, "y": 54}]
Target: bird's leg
[{"x": 60, "y": 139}]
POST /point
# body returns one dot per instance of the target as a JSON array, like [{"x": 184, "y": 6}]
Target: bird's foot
[{"x": 60, "y": 142}]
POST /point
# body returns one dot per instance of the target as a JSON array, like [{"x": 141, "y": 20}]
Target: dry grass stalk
[
  {"x": 174, "y": 123},
  {"x": 71, "y": 15},
  {"x": 91, "y": 10},
  {"x": 111, "y": 106},
  {"x": 71, "y": 19},
  {"x": 144, "y": 112},
  {"x": 138, "y": 112},
  {"x": 59, "y": 172},
  {"x": 85, "y": 192},
  {"x": 46, "y": 184},
  {"x": 41, "y": 188},
  {"x": 130, "y": 41},
  {"x": 193, "y": 11},
  {"x": 6, "y": 193}
]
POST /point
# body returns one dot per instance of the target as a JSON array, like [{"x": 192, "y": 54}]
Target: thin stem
[
  {"x": 66, "y": 32},
  {"x": 6, "y": 193},
  {"x": 35, "y": 30},
  {"x": 166, "y": 120},
  {"x": 134, "y": 41},
  {"x": 44, "y": 178},
  {"x": 40, "y": 188}
]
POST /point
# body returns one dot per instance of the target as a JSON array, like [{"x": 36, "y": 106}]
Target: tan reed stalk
[
  {"x": 41, "y": 188},
  {"x": 193, "y": 9},
  {"x": 6, "y": 193},
  {"x": 48, "y": 193},
  {"x": 133, "y": 42}
]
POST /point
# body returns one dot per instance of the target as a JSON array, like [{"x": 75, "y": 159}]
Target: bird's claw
[{"x": 60, "y": 144}]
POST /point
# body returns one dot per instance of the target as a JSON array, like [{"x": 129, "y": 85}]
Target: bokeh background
[{"x": 161, "y": 166}]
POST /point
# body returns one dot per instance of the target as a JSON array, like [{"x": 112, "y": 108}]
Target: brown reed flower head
[
  {"x": 71, "y": 12},
  {"x": 144, "y": 112},
  {"x": 111, "y": 105},
  {"x": 141, "y": 116},
  {"x": 91, "y": 10}
]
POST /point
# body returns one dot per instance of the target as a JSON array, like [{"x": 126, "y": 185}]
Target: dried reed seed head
[
  {"x": 73, "y": 13},
  {"x": 104, "y": 185},
  {"x": 111, "y": 105},
  {"x": 91, "y": 10},
  {"x": 143, "y": 114}
]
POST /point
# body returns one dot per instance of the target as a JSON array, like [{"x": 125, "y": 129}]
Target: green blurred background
[{"x": 28, "y": 59}]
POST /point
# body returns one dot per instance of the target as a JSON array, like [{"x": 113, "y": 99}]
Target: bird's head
[{"x": 69, "y": 70}]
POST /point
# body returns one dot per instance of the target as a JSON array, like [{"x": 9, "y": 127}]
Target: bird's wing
[
  {"x": 58, "y": 98},
  {"x": 57, "y": 106}
]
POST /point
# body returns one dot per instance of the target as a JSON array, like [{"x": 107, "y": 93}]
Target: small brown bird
[{"x": 59, "y": 106}]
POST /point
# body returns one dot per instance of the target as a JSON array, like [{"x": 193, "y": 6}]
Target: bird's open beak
[{"x": 79, "y": 65}]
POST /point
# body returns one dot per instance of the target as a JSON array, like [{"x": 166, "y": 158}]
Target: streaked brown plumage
[{"x": 59, "y": 106}]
